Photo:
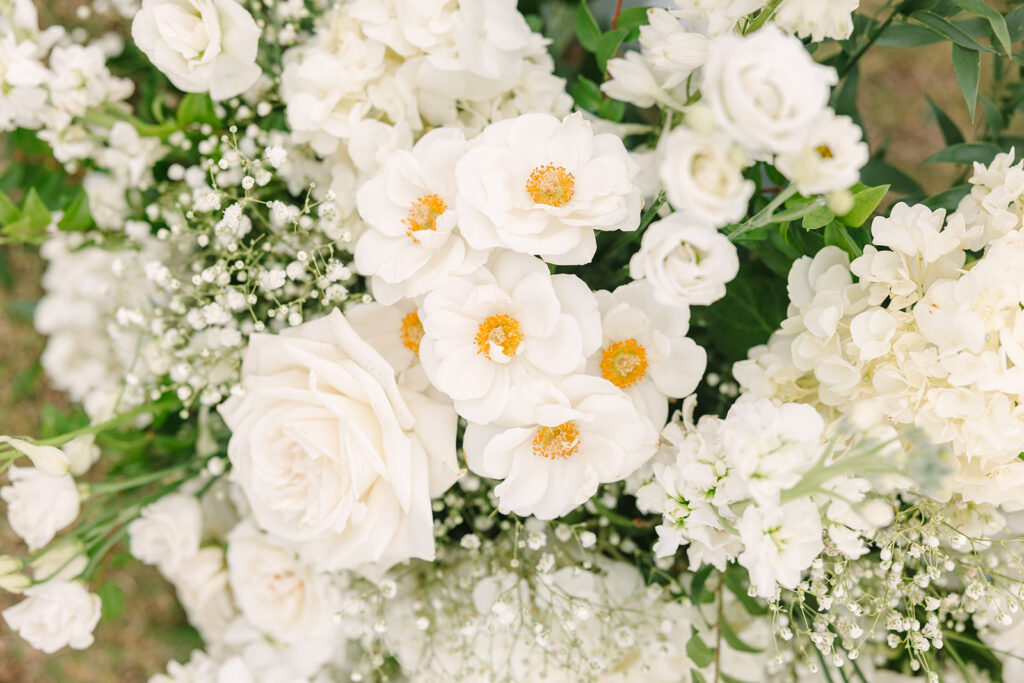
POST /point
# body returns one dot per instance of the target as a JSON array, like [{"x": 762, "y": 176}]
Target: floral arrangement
[{"x": 468, "y": 340}]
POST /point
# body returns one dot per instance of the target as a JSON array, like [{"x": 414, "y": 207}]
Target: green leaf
[
  {"x": 877, "y": 172},
  {"x": 9, "y": 212},
  {"x": 837, "y": 236},
  {"x": 733, "y": 639},
  {"x": 34, "y": 209},
  {"x": 26, "y": 382},
  {"x": 697, "y": 592},
  {"x": 908, "y": 35},
  {"x": 994, "y": 18},
  {"x": 735, "y": 581},
  {"x": 113, "y": 600},
  {"x": 864, "y": 204},
  {"x": 950, "y": 30},
  {"x": 844, "y": 98},
  {"x": 966, "y": 153},
  {"x": 699, "y": 653},
  {"x": 697, "y": 677},
  {"x": 587, "y": 94},
  {"x": 948, "y": 199},
  {"x": 613, "y": 110},
  {"x": 818, "y": 218},
  {"x": 587, "y": 30},
  {"x": 967, "y": 67},
  {"x": 6, "y": 276},
  {"x": 607, "y": 45},
  {"x": 993, "y": 117},
  {"x": 754, "y": 304},
  {"x": 950, "y": 133},
  {"x": 1015, "y": 24},
  {"x": 21, "y": 231},
  {"x": 632, "y": 18},
  {"x": 197, "y": 108},
  {"x": 76, "y": 217}
]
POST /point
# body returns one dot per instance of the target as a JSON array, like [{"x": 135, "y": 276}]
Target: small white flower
[
  {"x": 200, "y": 45},
  {"x": 590, "y": 434},
  {"x": 55, "y": 614},
  {"x": 47, "y": 459},
  {"x": 830, "y": 158},
  {"x": 779, "y": 544},
  {"x": 541, "y": 186},
  {"x": 167, "y": 532},
  {"x": 686, "y": 261},
  {"x": 815, "y": 19},
  {"x": 39, "y": 505}
]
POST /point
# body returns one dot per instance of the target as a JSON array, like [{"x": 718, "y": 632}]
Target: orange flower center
[
  {"x": 557, "y": 443},
  {"x": 624, "y": 363},
  {"x": 824, "y": 151},
  {"x": 551, "y": 185},
  {"x": 499, "y": 330},
  {"x": 412, "y": 332},
  {"x": 423, "y": 215}
]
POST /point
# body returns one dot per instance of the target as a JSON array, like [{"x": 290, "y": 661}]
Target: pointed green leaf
[
  {"x": 950, "y": 30},
  {"x": 34, "y": 209},
  {"x": 586, "y": 94},
  {"x": 699, "y": 653},
  {"x": 967, "y": 67},
  {"x": 587, "y": 30},
  {"x": 948, "y": 199},
  {"x": 1015, "y": 24},
  {"x": 734, "y": 640},
  {"x": 877, "y": 172},
  {"x": 836, "y": 235},
  {"x": 9, "y": 212},
  {"x": 994, "y": 18},
  {"x": 697, "y": 592},
  {"x": 21, "y": 232},
  {"x": 607, "y": 45},
  {"x": 908, "y": 35},
  {"x": 631, "y": 20},
  {"x": 197, "y": 108},
  {"x": 950, "y": 133},
  {"x": 818, "y": 218},
  {"x": 76, "y": 217},
  {"x": 966, "y": 153},
  {"x": 697, "y": 676},
  {"x": 993, "y": 117},
  {"x": 864, "y": 204}
]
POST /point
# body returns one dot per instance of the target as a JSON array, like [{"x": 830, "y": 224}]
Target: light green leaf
[
  {"x": 631, "y": 20},
  {"x": 9, "y": 212},
  {"x": 734, "y": 640},
  {"x": 995, "y": 19},
  {"x": 197, "y": 108},
  {"x": 586, "y": 94},
  {"x": 76, "y": 217},
  {"x": 699, "y": 653},
  {"x": 34, "y": 209},
  {"x": 967, "y": 67},
  {"x": 607, "y": 45},
  {"x": 864, "y": 204},
  {"x": 818, "y": 218},
  {"x": 587, "y": 30}
]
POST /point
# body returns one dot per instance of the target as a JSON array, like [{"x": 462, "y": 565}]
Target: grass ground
[{"x": 152, "y": 630}]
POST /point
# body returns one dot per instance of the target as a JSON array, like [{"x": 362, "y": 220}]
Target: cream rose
[
  {"x": 167, "y": 533},
  {"x": 39, "y": 505},
  {"x": 200, "y": 45},
  {"x": 332, "y": 455}
]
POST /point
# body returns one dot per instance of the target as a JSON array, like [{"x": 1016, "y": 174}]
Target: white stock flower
[
  {"x": 200, "y": 45},
  {"x": 412, "y": 244},
  {"x": 703, "y": 175},
  {"x": 765, "y": 89},
  {"x": 202, "y": 587},
  {"x": 39, "y": 505},
  {"x": 47, "y": 459},
  {"x": 488, "y": 332},
  {"x": 817, "y": 19},
  {"x": 721, "y": 15},
  {"x": 686, "y": 261},
  {"x": 55, "y": 614},
  {"x": 331, "y": 454},
  {"x": 590, "y": 433},
  {"x": 830, "y": 158},
  {"x": 167, "y": 532},
  {"x": 779, "y": 544},
  {"x": 274, "y": 590},
  {"x": 645, "y": 350},
  {"x": 541, "y": 186}
]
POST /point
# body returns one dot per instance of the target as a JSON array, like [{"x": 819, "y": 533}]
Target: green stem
[
  {"x": 762, "y": 17},
  {"x": 135, "y": 482},
  {"x": 848, "y": 66},
  {"x": 765, "y": 215},
  {"x": 157, "y": 407}
]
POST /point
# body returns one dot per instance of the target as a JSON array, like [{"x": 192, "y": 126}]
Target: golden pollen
[
  {"x": 423, "y": 214},
  {"x": 557, "y": 443},
  {"x": 412, "y": 332},
  {"x": 500, "y": 330},
  {"x": 551, "y": 185},
  {"x": 624, "y": 363},
  {"x": 824, "y": 151}
]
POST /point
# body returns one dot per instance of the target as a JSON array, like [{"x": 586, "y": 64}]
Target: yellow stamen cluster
[
  {"x": 551, "y": 185},
  {"x": 824, "y": 151},
  {"x": 412, "y": 332},
  {"x": 557, "y": 443},
  {"x": 423, "y": 214},
  {"x": 500, "y": 330},
  {"x": 624, "y": 363}
]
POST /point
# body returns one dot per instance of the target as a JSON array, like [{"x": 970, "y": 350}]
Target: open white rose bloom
[{"x": 483, "y": 340}]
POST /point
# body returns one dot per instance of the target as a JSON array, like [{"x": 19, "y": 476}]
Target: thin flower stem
[
  {"x": 156, "y": 407},
  {"x": 764, "y": 216},
  {"x": 762, "y": 17}
]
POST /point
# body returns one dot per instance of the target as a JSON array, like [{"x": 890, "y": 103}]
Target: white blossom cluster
[
  {"x": 930, "y": 331},
  {"x": 745, "y": 98}
]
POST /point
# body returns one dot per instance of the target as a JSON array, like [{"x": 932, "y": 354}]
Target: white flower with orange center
[
  {"x": 589, "y": 433},
  {"x": 412, "y": 244},
  {"x": 645, "y": 350},
  {"x": 541, "y": 186},
  {"x": 502, "y": 328}
]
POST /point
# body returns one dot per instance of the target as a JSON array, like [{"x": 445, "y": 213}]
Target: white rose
[
  {"x": 39, "y": 505},
  {"x": 55, "y": 614},
  {"x": 275, "y": 591},
  {"x": 830, "y": 158},
  {"x": 686, "y": 261},
  {"x": 765, "y": 89},
  {"x": 200, "y": 45},
  {"x": 704, "y": 175},
  {"x": 331, "y": 455},
  {"x": 167, "y": 533}
]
